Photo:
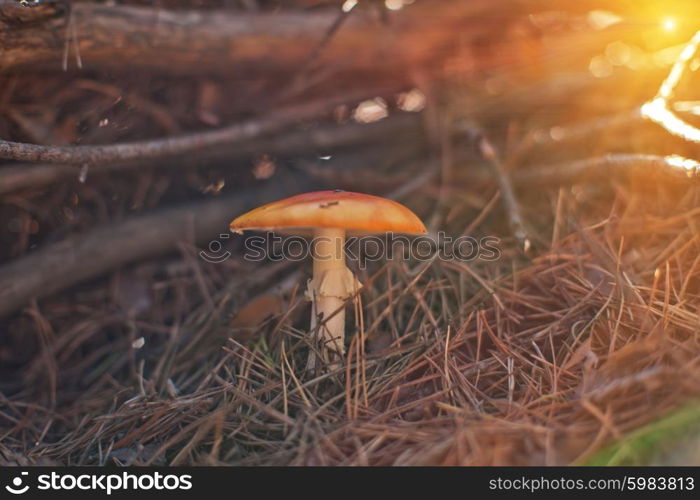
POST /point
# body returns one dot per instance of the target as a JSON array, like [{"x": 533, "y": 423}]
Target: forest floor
[{"x": 584, "y": 348}]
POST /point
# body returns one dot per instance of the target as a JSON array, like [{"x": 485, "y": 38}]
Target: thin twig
[{"x": 515, "y": 218}]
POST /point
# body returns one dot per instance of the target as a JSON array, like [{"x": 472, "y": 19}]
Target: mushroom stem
[{"x": 330, "y": 287}]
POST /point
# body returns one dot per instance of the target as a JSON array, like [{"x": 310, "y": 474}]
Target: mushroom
[{"x": 328, "y": 216}]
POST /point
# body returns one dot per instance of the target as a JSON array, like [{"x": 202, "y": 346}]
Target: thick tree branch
[
  {"x": 225, "y": 41},
  {"x": 85, "y": 256}
]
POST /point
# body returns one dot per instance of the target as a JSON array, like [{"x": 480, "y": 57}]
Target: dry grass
[{"x": 505, "y": 362}]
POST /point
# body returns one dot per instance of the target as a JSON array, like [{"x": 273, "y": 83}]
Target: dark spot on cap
[{"x": 329, "y": 204}]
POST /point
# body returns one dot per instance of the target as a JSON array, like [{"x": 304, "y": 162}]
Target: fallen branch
[
  {"x": 225, "y": 40},
  {"x": 320, "y": 139},
  {"x": 653, "y": 168},
  {"x": 157, "y": 148},
  {"x": 18, "y": 177},
  {"x": 78, "y": 258}
]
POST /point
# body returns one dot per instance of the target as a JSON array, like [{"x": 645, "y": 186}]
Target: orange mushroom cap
[{"x": 355, "y": 212}]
